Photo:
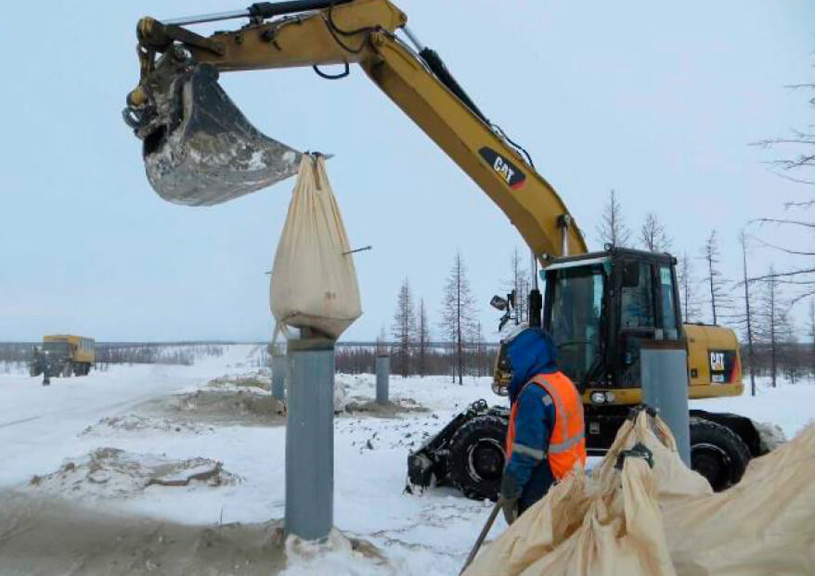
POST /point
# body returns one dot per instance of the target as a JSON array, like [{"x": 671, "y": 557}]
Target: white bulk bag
[{"x": 314, "y": 282}]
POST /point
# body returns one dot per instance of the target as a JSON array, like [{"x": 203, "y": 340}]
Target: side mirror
[
  {"x": 631, "y": 274},
  {"x": 498, "y": 303}
]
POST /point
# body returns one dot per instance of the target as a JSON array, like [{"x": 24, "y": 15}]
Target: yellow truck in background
[{"x": 64, "y": 355}]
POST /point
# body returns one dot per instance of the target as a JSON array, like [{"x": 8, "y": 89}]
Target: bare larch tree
[
  {"x": 747, "y": 318},
  {"x": 403, "y": 329},
  {"x": 612, "y": 228},
  {"x": 812, "y": 337},
  {"x": 422, "y": 338},
  {"x": 653, "y": 236},
  {"x": 519, "y": 282},
  {"x": 719, "y": 299},
  {"x": 773, "y": 322},
  {"x": 458, "y": 313},
  {"x": 479, "y": 352},
  {"x": 796, "y": 164},
  {"x": 688, "y": 293}
]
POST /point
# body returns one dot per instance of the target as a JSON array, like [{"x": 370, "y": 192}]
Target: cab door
[
  {"x": 637, "y": 317},
  {"x": 648, "y": 310}
]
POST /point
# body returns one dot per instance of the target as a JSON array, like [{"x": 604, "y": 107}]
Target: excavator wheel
[
  {"x": 717, "y": 453},
  {"x": 477, "y": 457}
]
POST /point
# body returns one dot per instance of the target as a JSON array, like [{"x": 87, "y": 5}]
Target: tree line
[
  {"x": 184, "y": 355},
  {"x": 16, "y": 355},
  {"x": 440, "y": 359},
  {"x": 454, "y": 345},
  {"x": 464, "y": 350}
]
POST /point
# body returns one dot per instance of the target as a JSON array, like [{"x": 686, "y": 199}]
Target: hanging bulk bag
[{"x": 314, "y": 282}]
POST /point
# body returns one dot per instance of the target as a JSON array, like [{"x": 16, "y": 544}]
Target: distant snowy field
[{"x": 44, "y": 428}]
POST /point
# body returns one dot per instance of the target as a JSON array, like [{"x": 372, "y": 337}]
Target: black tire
[
  {"x": 477, "y": 457},
  {"x": 717, "y": 453}
]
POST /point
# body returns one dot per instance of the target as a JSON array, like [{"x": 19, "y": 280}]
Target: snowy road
[{"x": 38, "y": 424}]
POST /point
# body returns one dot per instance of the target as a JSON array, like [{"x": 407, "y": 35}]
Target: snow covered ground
[{"x": 47, "y": 430}]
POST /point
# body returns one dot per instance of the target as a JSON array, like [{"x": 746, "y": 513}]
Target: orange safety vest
[{"x": 567, "y": 445}]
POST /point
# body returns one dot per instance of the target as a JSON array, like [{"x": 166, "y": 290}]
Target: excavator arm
[{"x": 200, "y": 150}]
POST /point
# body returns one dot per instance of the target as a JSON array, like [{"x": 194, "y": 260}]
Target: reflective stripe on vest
[{"x": 567, "y": 443}]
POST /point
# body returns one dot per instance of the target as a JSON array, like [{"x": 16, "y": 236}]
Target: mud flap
[{"x": 200, "y": 150}]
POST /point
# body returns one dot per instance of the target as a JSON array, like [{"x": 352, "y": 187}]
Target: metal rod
[
  {"x": 215, "y": 17},
  {"x": 271, "y": 9},
  {"x": 413, "y": 39},
  {"x": 564, "y": 222},
  {"x": 260, "y": 10},
  {"x": 364, "y": 248},
  {"x": 484, "y": 531},
  {"x": 533, "y": 267}
]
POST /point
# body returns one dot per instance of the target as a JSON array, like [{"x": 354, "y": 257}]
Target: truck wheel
[
  {"x": 717, "y": 453},
  {"x": 477, "y": 457}
]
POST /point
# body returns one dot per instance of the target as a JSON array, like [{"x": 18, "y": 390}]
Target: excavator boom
[{"x": 200, "y": 150}]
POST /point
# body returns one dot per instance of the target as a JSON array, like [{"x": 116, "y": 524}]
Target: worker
[{"x": 545, "y": 440}]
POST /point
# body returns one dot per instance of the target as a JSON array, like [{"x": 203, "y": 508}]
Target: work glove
[{"x": 510, "y": 492}]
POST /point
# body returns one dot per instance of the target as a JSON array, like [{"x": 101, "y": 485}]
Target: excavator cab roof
[{"x": 611, "y": 253}]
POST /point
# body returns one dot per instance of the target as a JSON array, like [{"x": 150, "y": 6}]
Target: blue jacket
[{"x": 531, "y": 352}]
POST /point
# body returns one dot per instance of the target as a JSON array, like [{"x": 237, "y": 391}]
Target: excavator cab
[{"x": 599, "y": 307}]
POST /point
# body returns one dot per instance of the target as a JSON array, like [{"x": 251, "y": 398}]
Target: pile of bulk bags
[{"x": 643, "y": 512}]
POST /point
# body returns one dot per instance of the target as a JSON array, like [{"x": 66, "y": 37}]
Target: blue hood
[{"x": 531, "y": 352}]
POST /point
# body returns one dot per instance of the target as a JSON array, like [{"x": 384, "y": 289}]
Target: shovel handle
[{"x": 484, "y": 531}]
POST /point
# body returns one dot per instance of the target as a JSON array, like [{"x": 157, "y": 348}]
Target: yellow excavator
[{"x": 599, "y": 307}]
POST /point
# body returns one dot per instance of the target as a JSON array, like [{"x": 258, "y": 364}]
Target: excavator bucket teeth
[{"x": 201, "y": 150}]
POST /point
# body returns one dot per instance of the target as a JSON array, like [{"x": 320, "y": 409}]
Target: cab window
[
  {"x": 666, "y": 288},
  {"x": 576, "y": 315},
  {"x": 637, "y": 302}
]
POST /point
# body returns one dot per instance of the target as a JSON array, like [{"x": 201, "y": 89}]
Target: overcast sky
[{"x": 656, "y": 100}]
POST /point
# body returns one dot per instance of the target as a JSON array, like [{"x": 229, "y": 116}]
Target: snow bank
[
  {"x": 337, "y": 556},
  {"x": 114, "y": 473},
  {"x": 133, "y": 423},
  {"x": 789, "y": 406},
  {"x": 260, "y": 379}
]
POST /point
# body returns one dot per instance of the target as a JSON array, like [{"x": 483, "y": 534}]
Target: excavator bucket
[{"x": 200, "y": 150}]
